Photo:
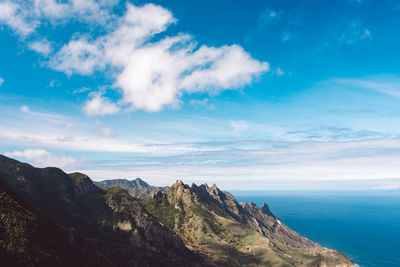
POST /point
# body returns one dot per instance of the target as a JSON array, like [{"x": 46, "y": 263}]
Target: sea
[{"x": 363, "y": 225}]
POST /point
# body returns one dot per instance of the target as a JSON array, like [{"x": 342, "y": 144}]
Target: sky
[{"x": 250, "y": 95}]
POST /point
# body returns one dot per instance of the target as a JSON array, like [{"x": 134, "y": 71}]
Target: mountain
[
  {"x": 136, "y": 188},
  {"x": 227, "y": 233},
  {"x": 50, "y": 218},
  {"x": 109, "y": 228}
]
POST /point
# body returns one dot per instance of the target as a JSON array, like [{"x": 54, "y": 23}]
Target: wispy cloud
[
  {"x": 354, "y": 32},
  {"x": 100, "y": 105},
  {"x": 81, "y": 90},
  {"x": 389, "y": 85},
  {"x": 201, "y": 103},
  {"x": 53, "y": 83},
  {"x": 238, "y": 126},
  {"x": 267, "y": 16},
  {"x": 1, "y": 81},
  {"x": 279, "y": 72},
  {"x": 297, "y": 157},
  {"x": 42, "y": 158},
  {"x": 42, "y": 47},
  {"x": 49, "y": 116},
  {"x": 258, "y": 164},
  {"x": 24, "y": 17}
]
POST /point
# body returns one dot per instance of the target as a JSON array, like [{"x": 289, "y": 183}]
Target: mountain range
[
  {"x": 136, "y": 188},
  {"x": 50, "y": 218}
]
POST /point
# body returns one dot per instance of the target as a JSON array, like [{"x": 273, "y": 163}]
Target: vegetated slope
[
  {"x": 136, "y": 188},
  {"x": 227, "y": 233},
  {"x": 114, "y": 227},
  {"x": 29, "y": 238}
]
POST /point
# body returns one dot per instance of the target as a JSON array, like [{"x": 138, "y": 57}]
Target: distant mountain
[
  {"x": 49, "y": 218},
  {"x": 136, "y": 188}
]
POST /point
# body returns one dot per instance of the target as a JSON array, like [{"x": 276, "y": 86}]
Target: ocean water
[{"x": 363, "y": 225}]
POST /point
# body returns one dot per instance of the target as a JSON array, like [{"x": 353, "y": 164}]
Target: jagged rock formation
[
  {"x": 136, "y": 188},
  {"x": 226, "y": 233}
]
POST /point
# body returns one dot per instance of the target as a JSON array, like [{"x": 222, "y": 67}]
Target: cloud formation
[
  {"x": 1, "y": 81},
  {"x": 156, "y": 74},
  {"x": 42, "y": 158},
  {"x": 42, "y": 47},
  {"x": 25, "y": 17},
  {"x": 100, "y": 105},
  {"x": 151, "y": 73}
]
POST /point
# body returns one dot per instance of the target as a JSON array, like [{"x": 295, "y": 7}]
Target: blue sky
[{"x": 251, "y": 95}]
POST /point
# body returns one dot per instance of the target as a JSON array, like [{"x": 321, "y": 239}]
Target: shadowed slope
[{"x": 111, "y": 222}]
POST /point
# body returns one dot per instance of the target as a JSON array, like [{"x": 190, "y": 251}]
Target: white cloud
[
  {"x": 42, "y": 47},
  {"x": 24, "y": 108},
  {"x": 16, "y": 17},
  {"x": 1, "y": 81},
  {"x": 153, "y": 75},
  {"x": 81, "y": 90},
  {"x": 99, "y": 105},
  {"x": 78, "y": 56},
  {"x": 24, "y": 17},
  {"x": 42, "y": 158}
]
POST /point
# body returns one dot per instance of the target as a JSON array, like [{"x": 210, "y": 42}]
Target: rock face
[
  {"x": 136, "y": 188},
  {"x": 226, "y": 233}
]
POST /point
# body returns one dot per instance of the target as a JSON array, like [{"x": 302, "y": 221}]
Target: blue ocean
[{"x": 363, "y": 225}]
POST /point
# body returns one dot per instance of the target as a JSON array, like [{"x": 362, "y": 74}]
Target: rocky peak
[
  {"x": 265, "y": 209},
  {"x": 178, "y": 184},
  {"x": 203, "y": 187},
  {"x": 139, "y": 182},
  {"x": 250, "y": 207},
  {"x": 83, "y": 184}
]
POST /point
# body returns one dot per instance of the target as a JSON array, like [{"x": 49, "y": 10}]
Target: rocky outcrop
[
  {"x": 147, "y": 231},
  {"x": 271, "y": 227}
]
